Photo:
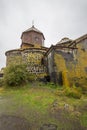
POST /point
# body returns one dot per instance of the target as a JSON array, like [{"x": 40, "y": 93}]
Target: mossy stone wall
[
  {"x": 74, "y": 69},
  {"x": 31, "y": 57}
]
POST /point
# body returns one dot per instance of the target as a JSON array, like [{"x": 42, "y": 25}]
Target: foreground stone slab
[{"x": 49, "y": 127}]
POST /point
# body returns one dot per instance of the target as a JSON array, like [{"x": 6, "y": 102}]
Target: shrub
[
  {"x": 83, "y": 119},
  {"x": 51, "y": 85},
  {"x": 15, "y": 74},
  {"x": 73, "y": 92},
  {"x": 84, "y": 88},
  {"x": 1, "y": 82},
  {"x": 31, "y": 77}
]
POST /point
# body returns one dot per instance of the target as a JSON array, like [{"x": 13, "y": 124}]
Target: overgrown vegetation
[
  {"x": 40, "y": 104},
  {"x": 73, "y": 92},
  {"x": 1, "y": 82},
  {"x": 17, "y": 74}
]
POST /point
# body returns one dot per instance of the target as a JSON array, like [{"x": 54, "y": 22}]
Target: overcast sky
[{"x": 55, "y": 18}]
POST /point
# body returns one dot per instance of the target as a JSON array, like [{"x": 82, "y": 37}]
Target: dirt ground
[
  {"x": 12, "y": 117},
  {"x": 13, "y": 123},
  {"x": 8, "y": 122}
]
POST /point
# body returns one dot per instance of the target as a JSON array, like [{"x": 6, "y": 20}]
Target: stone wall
[
  {"x": 33, "y": 38},
  {"x": 61, "y": 70},
  {"x": 32, "y": 57},
  {"x": 13, "y": 56},
  {"x": 70, "y": 66},
  {"x": 51, "y": 66},
  {"x": 81, "y": 63}
]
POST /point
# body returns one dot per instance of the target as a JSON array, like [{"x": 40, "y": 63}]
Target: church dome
[
  {"x": 34, "y": 29},
  {"x": 32, "y": 36}
]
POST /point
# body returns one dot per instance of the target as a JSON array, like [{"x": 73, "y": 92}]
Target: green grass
[
  {"x": 35, "y": 103},
  {"x": 83, "y": 119}
]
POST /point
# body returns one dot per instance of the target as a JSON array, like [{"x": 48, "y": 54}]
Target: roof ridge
[
  {"x": 33, "y": 28},
  {"x": 81, "y": 38}
]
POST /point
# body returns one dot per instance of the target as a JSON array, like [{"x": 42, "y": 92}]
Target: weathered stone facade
[
  {"x": 30, "y": 53},
  {"x": 65, "y": 63},
  {"x": 32, "y": 57},
  {"x": 13, "y": 56}
]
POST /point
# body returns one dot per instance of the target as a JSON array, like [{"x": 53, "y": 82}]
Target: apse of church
[{"x": 31, "y": 51}]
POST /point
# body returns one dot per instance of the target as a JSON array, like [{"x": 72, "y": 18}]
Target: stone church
[{"x": 64, "y": 63}]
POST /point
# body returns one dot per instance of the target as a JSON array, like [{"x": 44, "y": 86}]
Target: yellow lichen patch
[
  {"x": 74, "y": 72},
  {"x": 25, "y": 46},
  {"x": 1, "y": 90},
  {"x": 81, "y": 65},
  {"x": 60, "y": 62},
  {"x": 61, "y": 67},
  {"x": 77, "y": 70},
  {"x": 14, "y": 60},
  {"x": 65, "y": 79},
  {"x": 41, "y": 75},
  {"x": 34, "y": 58},
  {"x": 37, "y": 46}
]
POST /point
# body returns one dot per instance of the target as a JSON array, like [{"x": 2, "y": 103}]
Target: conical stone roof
[{"x": 33, "y": 29}]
